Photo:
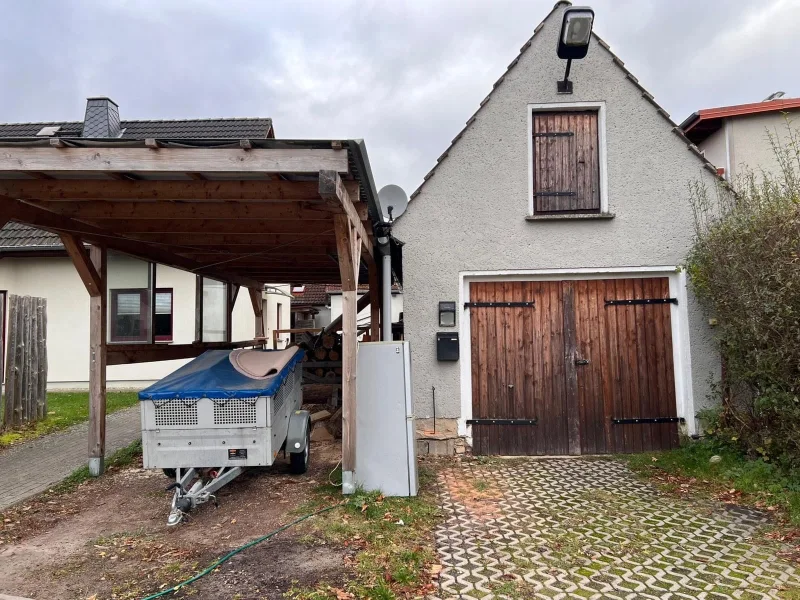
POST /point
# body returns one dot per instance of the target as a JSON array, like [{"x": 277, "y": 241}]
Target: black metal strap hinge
[
  {"x": 502, "y": 421},
  {"x": 554, "y": 134},
  {"x": 498, "y": 305},
  {"x": 555, "y": 193},
  {"x": 645, "y": 421},
  {"x": 641, "y": 301}
]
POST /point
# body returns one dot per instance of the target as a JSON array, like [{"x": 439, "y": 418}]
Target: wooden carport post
[
  {"x": 92, "y": 271},
  {"x": 350, "y": 236},
  {"x": 257, "y": 300},
  {"x": 374, "y": 299}
]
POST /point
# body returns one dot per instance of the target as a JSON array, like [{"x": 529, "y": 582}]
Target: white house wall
[
  {"x": 470, "y": 214},
  {"x": 68, "y": 318}
]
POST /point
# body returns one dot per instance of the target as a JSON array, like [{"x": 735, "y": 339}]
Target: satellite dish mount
[{"x": 393, "y": 201}]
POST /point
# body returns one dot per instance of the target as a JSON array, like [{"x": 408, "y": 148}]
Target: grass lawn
[
  {"x": 65, "y": 409},
  {"x": 394, "y": 537},
  {"x": 734, "y": 479}
]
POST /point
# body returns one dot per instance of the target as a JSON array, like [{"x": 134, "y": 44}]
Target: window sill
[{"x": 571, "y": 217}]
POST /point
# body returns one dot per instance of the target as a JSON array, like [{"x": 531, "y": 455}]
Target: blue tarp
[{"x": 211, "y": 375}]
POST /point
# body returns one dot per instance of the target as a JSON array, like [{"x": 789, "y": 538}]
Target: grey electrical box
[{"x": 447, "y": 345}]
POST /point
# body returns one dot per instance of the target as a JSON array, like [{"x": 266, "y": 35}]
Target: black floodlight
[{"x": 573, "y": 41}]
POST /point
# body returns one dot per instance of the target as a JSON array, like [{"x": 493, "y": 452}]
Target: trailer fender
[{"x": 297, "y": 437}]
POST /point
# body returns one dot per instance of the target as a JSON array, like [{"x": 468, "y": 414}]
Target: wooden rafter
[
  {"x": 83, "y": 265},
  {"x": 43, "y": 219},
  {"x": 90, "y": 210},
  {"x": 216, "y": 226},
  {"x": 92, "y": 189},
  {"x": 171, "y": 160}
]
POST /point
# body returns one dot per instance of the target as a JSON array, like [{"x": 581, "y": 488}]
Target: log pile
[{"x": 323, "y": 358}]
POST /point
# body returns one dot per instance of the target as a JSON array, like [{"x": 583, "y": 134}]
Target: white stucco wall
[
  {"x": 68, "y": 317},
  {"x": 272, "y": 302},
  {"x": 750, "y": 145},
  {"x": 716, "y": 150},
  {"x": 470, "y": 215}
]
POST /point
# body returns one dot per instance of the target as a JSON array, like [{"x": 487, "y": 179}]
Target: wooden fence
[{"x": 25, "y": 397}]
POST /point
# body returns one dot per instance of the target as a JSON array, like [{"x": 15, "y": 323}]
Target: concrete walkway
[
  {"x": 576, "y": 528},
  {"x": 31, "y": 467}
]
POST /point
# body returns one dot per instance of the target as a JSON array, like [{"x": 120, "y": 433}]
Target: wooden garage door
[{"x": 570, "y": 367}]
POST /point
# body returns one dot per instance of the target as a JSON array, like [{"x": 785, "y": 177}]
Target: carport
[{"x": 242, "y": 213}]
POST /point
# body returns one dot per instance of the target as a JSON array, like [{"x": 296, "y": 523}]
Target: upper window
[{"x": 566, "y": 162}]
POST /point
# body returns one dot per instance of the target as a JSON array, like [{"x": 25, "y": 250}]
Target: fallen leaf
[{"x": 233, "y": 521}]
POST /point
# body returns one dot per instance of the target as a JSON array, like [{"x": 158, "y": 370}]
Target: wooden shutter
[{"x": 566, "y": 167}]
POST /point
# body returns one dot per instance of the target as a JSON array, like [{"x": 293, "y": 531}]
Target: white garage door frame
[{"x": 679, "y": 315}]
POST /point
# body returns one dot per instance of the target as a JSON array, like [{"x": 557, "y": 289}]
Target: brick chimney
[{"x": 102, "y": 118}]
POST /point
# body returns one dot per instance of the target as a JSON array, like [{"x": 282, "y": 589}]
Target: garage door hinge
[
  {"x": 645, "y": 421},
  {"x": 502, "y": 421},
  {"x": 498, "y": 304},
  {"x": 641, "y": 301}
]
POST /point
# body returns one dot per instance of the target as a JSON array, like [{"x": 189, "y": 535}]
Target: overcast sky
[{"x": 403, "y": 75}]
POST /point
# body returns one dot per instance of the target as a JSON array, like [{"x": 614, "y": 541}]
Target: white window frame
[
  {"x": 679, "y": 321},
  {"x": 602, "y": 156}
]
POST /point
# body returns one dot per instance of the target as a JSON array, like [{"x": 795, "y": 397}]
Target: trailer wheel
[
  {"x": 169, "y": 473},
  {"x": 298, "y": 461}
]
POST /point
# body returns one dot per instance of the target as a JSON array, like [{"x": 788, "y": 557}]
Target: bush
[{"x": 745, "y": 270}]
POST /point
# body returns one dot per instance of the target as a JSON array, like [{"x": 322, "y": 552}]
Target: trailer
[{"x": 221, "y": 413}]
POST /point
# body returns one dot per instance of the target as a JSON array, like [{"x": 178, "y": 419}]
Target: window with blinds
[
  {"x": 162, "y": 320},
  {"x": 566, "y": 163},
  {"x": 128, "y": 320}
]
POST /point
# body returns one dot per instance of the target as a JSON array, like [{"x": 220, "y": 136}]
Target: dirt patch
[
  {"x": 109, "y": 536},
  {"x": 478, "y": 493},
  {"x": 268, "y": 571}
]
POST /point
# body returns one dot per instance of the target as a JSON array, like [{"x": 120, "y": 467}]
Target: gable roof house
[
  {"x": 740, "y": 138},
  {"x": 34, "y": 262},
  {"x": 555, "y": 224}
]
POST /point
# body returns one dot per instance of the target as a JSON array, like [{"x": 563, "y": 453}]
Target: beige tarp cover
[{"x": 258, "y": 364}]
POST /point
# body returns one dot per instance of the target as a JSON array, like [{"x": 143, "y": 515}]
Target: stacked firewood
[{"x": 324, "y": 355}]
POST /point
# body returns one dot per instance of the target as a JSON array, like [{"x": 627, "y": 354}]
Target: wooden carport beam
[
  {"x": 172, "y": 160},
  {"x": 334, "y": 191},
  {"x": 83, "y": 264},
  {"x": 94, "y": 189}
]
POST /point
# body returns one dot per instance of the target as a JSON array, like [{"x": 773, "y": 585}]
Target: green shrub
[{"x": 745, "y": 270}]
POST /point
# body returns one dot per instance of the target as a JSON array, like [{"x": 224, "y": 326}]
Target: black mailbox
[{"x": 447, "y": 345}]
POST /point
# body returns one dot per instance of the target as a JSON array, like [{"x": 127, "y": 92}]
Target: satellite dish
[{"x": 393, "y": 201}]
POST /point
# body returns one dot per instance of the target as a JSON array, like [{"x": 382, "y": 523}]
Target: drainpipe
[{"x": 386, "y": 287}]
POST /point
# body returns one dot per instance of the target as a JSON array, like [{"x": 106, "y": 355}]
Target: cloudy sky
[{"x": 402, "y": 74}]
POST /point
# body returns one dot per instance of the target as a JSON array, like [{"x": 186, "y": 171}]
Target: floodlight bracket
[{"x": 565, "y": 86}]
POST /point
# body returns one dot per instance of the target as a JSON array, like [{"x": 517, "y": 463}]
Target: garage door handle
[{"x": 581, "y": 361}]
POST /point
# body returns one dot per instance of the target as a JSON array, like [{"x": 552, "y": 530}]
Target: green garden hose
[{"x": 233, "y": 553}]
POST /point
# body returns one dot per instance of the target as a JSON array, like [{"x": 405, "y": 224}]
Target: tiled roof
[
  {"x": 165, "y": 129},
  {"x": 698, "y": 126},
  {"x": 17, "y": 235},
  {"x": 314, "y": 294}
]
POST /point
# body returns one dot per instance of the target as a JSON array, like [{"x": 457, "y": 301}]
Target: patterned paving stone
[{"x": 583, "y": 528}]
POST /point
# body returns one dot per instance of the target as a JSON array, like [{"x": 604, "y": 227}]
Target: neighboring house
[
  {"x": 737, "y": 138},
  {"x": 326, "y": 300},
  {"x": 548, "y": 224},
  {"x": 34, "y": 262}
]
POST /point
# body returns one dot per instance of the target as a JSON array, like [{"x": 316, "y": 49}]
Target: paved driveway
[{"x": 582, "y": 528}]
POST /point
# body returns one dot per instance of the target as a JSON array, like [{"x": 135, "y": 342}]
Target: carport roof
[{"x": 247, "y": 211}]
